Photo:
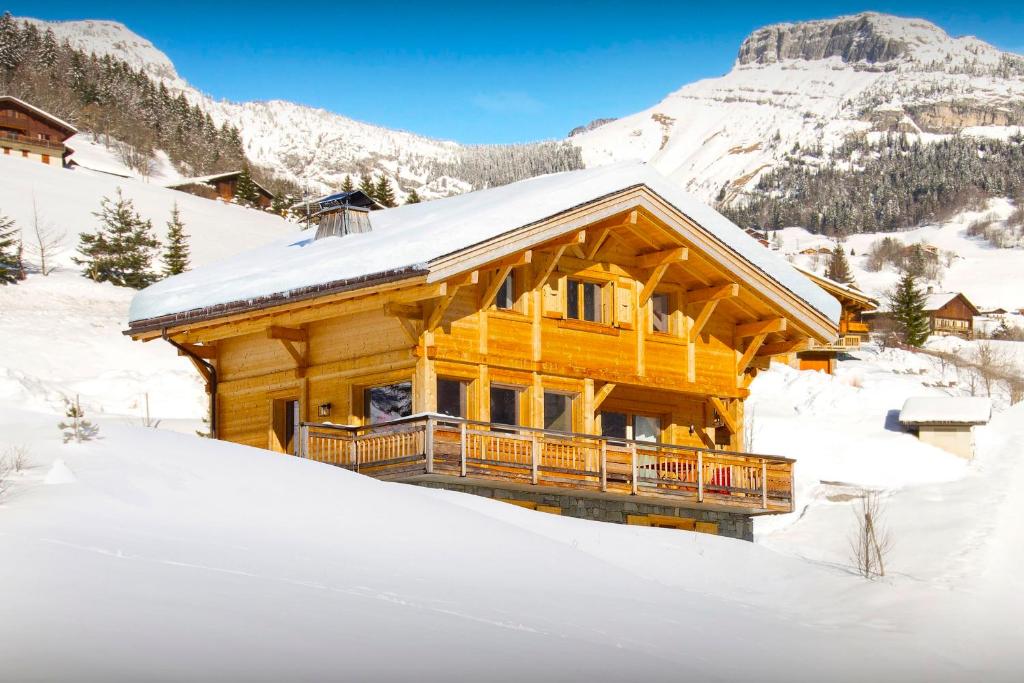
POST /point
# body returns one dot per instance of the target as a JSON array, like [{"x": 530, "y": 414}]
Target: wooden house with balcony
[
  {"x": 579, "y": 343},
  {"x": 853, "y": 325},
  {"x": 221, "y": 186},
  {"x": 29, "y": 132},
  {"x": 950, "y": 314}
]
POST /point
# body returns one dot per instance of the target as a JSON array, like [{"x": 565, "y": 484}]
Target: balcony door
[{"x": 630, "y": 426}]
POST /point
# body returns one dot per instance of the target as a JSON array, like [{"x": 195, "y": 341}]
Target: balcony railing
[
  {"x": 30, "y": 141},
  {"x": 840, "y": 344},
  {"x": 437, "y": 447}
]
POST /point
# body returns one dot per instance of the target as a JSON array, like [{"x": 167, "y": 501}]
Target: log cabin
[
  {"x": 221, "y": 186},
  {"x": 31, "y": 133},
  {"x": 950, "y": 314},
  {"x": 579, "y": 343},
  {"x": 853, "y": 326}
]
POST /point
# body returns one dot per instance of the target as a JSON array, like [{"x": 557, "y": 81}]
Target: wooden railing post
[
  {"x": 764, "y": 483},
  {"x": 700, "y": 476},
  {"x": 428, "y": 445},
  {"x": 604, "y": 465},
  {"x": 303, "y": 441},
  {"x": 534, "y": 457},
  {"x": 633, "y": 464},
  {"x": 462, "y": 449}
]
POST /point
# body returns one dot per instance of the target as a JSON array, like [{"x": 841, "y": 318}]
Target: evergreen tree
[
  {"x": 413, "y": 198},
  {"x": 385, "y": 195},
  {"x": 122, "y": 248},
  {"x": 839, "y": 267},
  {"x": 347, "y": 185},
  {"x": 907, "y": 305},
  {"x": 366, "y": 185},
  {"x": 246, "y": 192},
  {"x": 177, "y": 252},
  {"x": 10, "y": 252}
]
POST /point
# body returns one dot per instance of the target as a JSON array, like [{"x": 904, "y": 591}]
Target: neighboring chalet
[
  {"x": 947, "y": 422},
  {"x": 950, "y": 314},
  {"x": 31, "y": 133},
  {"x": 853, "y": 327},
  {"x": 579, "y": 343},
  {"x": 220, "y": 186}
]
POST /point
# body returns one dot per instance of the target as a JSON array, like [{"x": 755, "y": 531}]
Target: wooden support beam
[
  {"x": 286, "y": 333},
  {"x": 723, "y": 412},
  {"x": 439, "y": 309},
  {"x": 641, "y": 235},
  {"x": 601, "y": 394},
  {"x": 652, "y": 281},
  {"x": 544, "y": 271},
  {"x": 494, "y": 286},
  {"x": 574, "y": 238},
  {"x": 726, "y": 291},
  {"x": 297, "y": 356},
  {"x": 593, "y": 246},
  {"x": 748, "y": 354},
  {"x": 202, "y": 371},
  {"x": 707, "y": 440},
  {"x": 780, "y": 348},
  {"x": 407, "y": 315},
  {"x": 702, "y": 319},
  {"x": 521, "y": 259},
  {"x": 207, "y": 352},
  {"x": 470, "y": 278},
  {"x": 665, "y": 256},
  {"x": 760, "y": 327}
]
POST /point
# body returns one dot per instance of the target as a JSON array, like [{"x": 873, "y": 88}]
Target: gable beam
[
  {"x": 594, "y": 245},
  {"x": 760, "y": 327},
  {"x": 663, "y": 257}
]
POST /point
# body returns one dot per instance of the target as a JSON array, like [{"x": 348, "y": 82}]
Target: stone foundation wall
[{"x": 730, "y": 524}]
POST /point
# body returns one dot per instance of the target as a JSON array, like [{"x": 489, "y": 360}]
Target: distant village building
[
  {"x": 853, "y": 326},
  {"x": 31, "y": 133},
  {"x": 580, "y": 343},
  {"x": 950, "y": 314},
  {"x": 220, "y": 186},
  {"x": 947, "y": 422}
]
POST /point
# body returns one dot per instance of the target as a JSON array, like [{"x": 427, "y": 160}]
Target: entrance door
[{"x": 287, "y": 420}]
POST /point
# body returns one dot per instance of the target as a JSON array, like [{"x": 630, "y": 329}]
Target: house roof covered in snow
[
  {"x": 59, "y": 123},
  {"x": 946, "y": 410},
  {"x": 415, "y": 239},
  {"x": 933, "y": 301},
  {"x": 210, "y": 179},
  {"x": 850, "y": 292}
]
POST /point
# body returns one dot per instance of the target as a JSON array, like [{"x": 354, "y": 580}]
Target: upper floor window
[
  {"x": 451, "y": 397},
  {"x": 388, "y": 402},
  {"x": 659, "y": 313},
  {"x": 583, "y": 301},
  {"x": 504, "y": 405},
  {"x": 506, "y": 298}
]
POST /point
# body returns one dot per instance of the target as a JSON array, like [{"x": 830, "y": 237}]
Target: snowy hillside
[
  {"x": 816, "y": 83},
  {"x": 813, "y": 83}
]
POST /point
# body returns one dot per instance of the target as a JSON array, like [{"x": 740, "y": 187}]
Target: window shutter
[
  {"x": 624, "y": 304},
  {"x": 552, "y": 307}
]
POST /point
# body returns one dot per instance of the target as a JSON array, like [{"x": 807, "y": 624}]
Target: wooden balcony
[
  {"x": 840, "y": 344},
  {"x": 28, "y": 142},
  {"x": 858, "y": 327},
  {"x": 441, "y": 448}
]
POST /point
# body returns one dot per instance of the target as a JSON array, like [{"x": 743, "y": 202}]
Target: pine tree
[
  {"x": 78, "y": 429},
  {"x": 385, "y": 195},
  {"x": 246, "y": 192},
  {"x": 839, "y": 267},
  {"x": 347, "y": 185},
  {"x": 10, "y": 252},
  {"x": 177, "y": 252},
  {"x": 413, "y": 198},
  {"x": 367, "y": 187},
  {"x": 907, "y": 304},
  {"x": 122, "y": 248}
]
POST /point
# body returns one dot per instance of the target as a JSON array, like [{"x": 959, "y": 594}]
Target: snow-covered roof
[
  {"x": 44, "y": 114},
  {"x": 413, "y": 235},
  {"x": 850, "y": 290},
  {"x": 946, "y": 410},
  {"x": 206, "y": 179},
  {"x": 933, "y": 301}
]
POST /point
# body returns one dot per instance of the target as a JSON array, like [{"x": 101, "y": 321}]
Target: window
[
  {"x": 451, "y": 397},
  {"x": 583, "y": 301},
  {"x": 627, "y": 426},
  {"x": 646, "y": 428},
  {"x": 614, "y": 425},
  {"x": 659, "y": 313},
  {"x": 46, "y": 158},
  {"x": 558, "y": 411},
  {"x": 504, "y": 405},
  {"x": 388, "y": 402},
  {"x": 506, "y": 298}
]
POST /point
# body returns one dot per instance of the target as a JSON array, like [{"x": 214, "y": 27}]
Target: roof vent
[{"x": 338, "y": 221}]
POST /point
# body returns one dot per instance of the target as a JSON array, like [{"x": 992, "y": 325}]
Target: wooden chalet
[
  {"x": 221, "y": 186},
  {"x": 853, "y": 325},
  {"x": 31, "y": 133},
  {"x": 950, "y": 314},
  {"x": 579, "y": 343}
]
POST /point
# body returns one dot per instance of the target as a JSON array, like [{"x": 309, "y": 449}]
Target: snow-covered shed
[{"x": 947, "y": 421}]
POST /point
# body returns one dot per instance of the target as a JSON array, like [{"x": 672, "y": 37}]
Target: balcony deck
[
  {"x": 441, "y": 448},
  {"x": 28, "y": 142}
]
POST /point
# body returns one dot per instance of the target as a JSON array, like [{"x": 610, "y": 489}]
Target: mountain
[
  {"x": 816, "y": 84},
  {"x": 796, "y": 93}
]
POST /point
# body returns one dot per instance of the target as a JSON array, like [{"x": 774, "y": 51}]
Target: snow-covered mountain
[
  {"x": 811, "y": 84},
  {"x": 816, "y": 83}
]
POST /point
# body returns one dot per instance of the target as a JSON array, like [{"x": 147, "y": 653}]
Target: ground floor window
[
  {"x": 558, "y": 411},
  {"x": 505, "y": 405},
  {"x": 630, "y": 426},
  {"x": 451, "y": 397},
  {"x": 387, "y": 402}
]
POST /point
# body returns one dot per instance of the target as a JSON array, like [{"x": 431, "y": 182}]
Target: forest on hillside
[
  {"x": 109, "y": 98},
  {"x": 885, "y": 185}
]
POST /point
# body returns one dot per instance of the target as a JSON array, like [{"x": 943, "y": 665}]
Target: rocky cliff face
[{"x": 863, "y": 38}]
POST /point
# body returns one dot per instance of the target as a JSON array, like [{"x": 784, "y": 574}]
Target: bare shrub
[
  {"x": 17, "y": 456},
  {"x": 992, "y": 364},
  {"x": 45, "y": 242},
  {"x": 5, "y": 471},
  {"x": 871, "y": 543},
  {"x": 139, "y": 160}
]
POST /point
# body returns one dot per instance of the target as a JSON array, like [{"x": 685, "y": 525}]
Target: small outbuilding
[{"x": 947, "y": 422}]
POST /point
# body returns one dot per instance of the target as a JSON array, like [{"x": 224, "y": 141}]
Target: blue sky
[{"x": 476, "y": 72}]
